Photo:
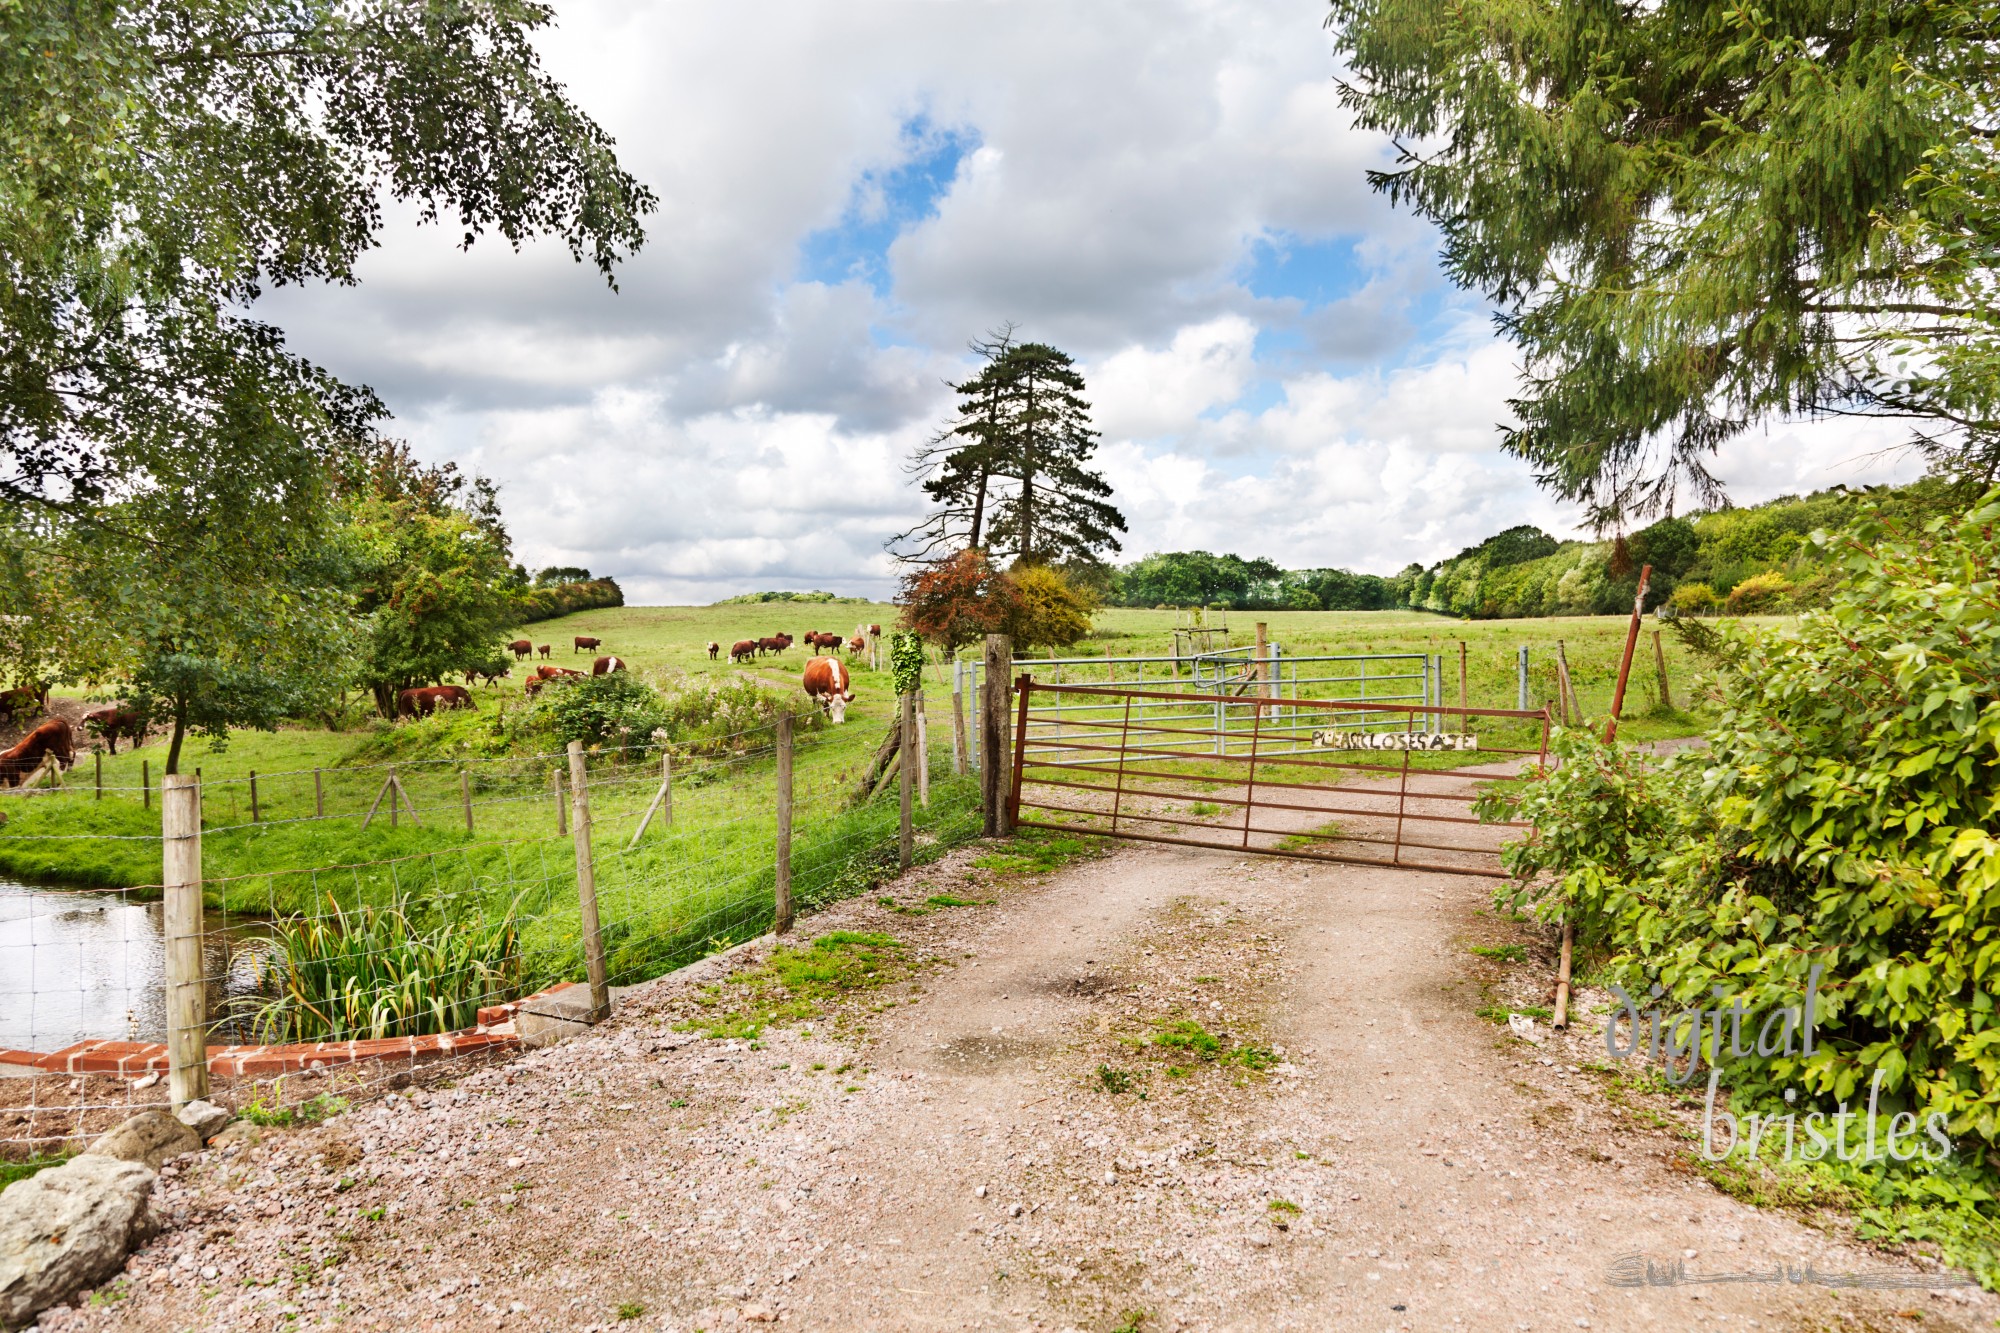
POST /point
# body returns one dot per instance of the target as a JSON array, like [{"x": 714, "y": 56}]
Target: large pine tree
[{"x": 1011, "y": 474}]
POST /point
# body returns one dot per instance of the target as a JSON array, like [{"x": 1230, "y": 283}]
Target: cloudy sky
[{"x": 1167, "y": 189}]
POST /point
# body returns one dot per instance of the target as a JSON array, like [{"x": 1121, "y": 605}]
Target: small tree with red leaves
[{"x": 958, "y": 600}]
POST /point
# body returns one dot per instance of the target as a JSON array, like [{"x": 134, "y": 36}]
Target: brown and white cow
[
  {"x": 743, "y": 650},
  {"x": 824, "y": 643},
  {"x": 522, "y": 648},
  {"x": 828, "y": 684},
  {"x": 115, "y": 721},
  {"x": 713, "y": 649},
  {"x": 22, "y": 700},
  {"x": 584, "y": 641},
  {"x": 856, "y": 646},
  {"x": 604, "y": 666},
  {"x": 52, "y": 737}
]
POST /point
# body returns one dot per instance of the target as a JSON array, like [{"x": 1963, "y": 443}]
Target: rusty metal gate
[{"x": 1359, "y": 782}]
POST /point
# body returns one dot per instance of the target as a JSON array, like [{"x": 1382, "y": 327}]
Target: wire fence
[{"x": 297, "y": 967}]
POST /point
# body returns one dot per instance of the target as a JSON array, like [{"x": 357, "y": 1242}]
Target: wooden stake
[
  {"x": 1463, "y": 695},
  {"x": 1561, "y": 1019},
  {"x": 99, "y": 757},
  {"x": 187, "y": 989},
  {"x": 1660, "y": 663},
  {"x": 385, "y": 791},
  {"x": 146, "y": 781},
  {"x": 1625, "y": 664},
  {"x": 781, "y": 901},
  {"x": 995, "y": 769},
  {"x": 905, "y": 836},
  {"x": 465, "y": 796},
  {"x": 254, "y": 815},
  {"x": 395, "y": 791},
  {"x": 586, "y": 888},
  {"x": 1565, "y": 688},
  {"x": 319, "y": 797},
  {"x": 662, "y": 799}
]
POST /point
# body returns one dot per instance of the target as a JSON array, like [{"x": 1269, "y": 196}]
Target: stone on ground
[
  {"x": 150, "y": 1138},
  {"x": 67, "y": 1228}
]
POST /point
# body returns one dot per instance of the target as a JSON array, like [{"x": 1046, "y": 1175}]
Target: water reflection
[{"x": 76, "y": 965}]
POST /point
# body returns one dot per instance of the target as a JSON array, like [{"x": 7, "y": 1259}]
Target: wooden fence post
[
  {"x": 146, "y": 781},
  {"x": 254, "y": 815},
  {"x": 1660, "y": 662},
  {"x": 319, "y": 797},
  {"x": 187, "y": 989},
  {"x": 958, "y": 747},
  {"x": 586, "y": 888},
  {"x": 98, "y": 755},
  {"x": 907, "y": 743},
  {"x": 391, "y": 787},
  {"x": 1463, "y": 700},
  {"x": 923, "y": 753},
  {"x": 465, "y": 796},
  {"x": 782, "y": 892},
  {"x": 994, "y": 768}
]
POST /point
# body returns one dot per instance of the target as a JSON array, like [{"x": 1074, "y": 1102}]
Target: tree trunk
[
  {"x": 174, "y": 747},
  {"x": 978, "y": 508}
]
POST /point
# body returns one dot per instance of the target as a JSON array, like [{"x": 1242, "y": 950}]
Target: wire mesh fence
[{"x": 304, "y": 964}]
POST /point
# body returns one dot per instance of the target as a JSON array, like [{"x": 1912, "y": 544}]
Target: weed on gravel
[{"x": 797, "y": 984}]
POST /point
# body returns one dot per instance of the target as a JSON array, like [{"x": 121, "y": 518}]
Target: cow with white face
[{"x": 828, "y": 685}]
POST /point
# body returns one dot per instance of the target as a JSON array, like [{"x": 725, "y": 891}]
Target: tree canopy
[
  {"x": 165, "y": 163},
  {"x": 1695, "y": 215},
  {"x": 1011, "y": 474}
]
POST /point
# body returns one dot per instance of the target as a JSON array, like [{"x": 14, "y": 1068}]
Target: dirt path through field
[{"x": 1002, "y": 1142}]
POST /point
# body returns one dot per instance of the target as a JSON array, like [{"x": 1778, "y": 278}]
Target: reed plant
[{"x": 381, "y": 971}]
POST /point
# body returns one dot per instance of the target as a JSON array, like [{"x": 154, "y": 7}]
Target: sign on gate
[{"x": 1394, "y": 740}]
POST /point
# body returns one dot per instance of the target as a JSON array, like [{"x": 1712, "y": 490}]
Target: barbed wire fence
[{"x": 265, "y": 989}]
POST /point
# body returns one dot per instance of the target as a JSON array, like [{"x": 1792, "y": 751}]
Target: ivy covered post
[{"x": 906, "y": 669}]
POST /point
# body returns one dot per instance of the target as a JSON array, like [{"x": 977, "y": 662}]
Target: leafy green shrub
[
  {"x": 1760, "y": 592},
  {"x": 1694, "y": 597},
  {"x": 375, "y": 972},
  {"x": 612, "y": 709},
  {"x": 1845, "y": 814},
  {"x": 568, "y": 598}
]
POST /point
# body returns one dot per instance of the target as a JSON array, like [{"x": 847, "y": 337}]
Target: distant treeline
[
  {"x": 755, "y": 598},
  {"x": 563, "y": 598},
  {"x": 1742, "y": 561},
  {"x": 1198, "y": 578},
  {"x": 1754, "y": 559}
]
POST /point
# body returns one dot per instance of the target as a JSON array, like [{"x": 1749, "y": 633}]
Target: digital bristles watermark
[
  {"x": 1636, "y": 1270},
  {"x": 1682, "y": 1041}
]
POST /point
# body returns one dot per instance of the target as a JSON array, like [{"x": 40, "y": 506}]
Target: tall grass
[{"x": 370, "y": 972}]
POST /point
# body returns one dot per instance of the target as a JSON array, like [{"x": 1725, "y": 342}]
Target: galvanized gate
[{"x": 1360, "y": 782}]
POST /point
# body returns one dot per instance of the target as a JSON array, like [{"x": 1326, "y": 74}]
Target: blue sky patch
[
  {"x": 884, "y": 202},
  {"x": 1283, "y": 266}
]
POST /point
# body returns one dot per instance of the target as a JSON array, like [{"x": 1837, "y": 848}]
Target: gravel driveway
[{"x": 1329, "y": 1137}]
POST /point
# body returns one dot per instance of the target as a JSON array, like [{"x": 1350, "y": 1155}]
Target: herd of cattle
[{"x": 827, "y": 683}]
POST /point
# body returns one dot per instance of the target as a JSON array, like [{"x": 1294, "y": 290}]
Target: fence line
[{"x": 677, "y": 861}]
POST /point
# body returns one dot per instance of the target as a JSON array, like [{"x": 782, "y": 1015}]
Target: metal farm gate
[{"x": 1359, "y": 782}]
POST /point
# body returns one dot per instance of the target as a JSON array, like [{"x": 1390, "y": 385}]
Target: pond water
[{"x": 82, "y": 964}]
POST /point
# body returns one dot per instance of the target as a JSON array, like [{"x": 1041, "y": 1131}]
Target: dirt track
[{"x": 1403, "y": 1166}]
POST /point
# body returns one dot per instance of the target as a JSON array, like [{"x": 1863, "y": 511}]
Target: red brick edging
[{"x": 131, "y": 1059}]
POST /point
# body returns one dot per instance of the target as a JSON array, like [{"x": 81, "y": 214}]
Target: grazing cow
[
  {"x": 115, "y": 721},
  {"x": 875, "y": 631},
  {"x": 584, "y": 641},
  {"x": 534, "y": 685},
  {"x": 824, "y": 644},
  {"x": 28, "y": 699},
  {"x": 743, "y": 650},
  {"x": 418, "y": 701},
  {"x": 777, "y": 643},
  {"x": 522, "y": 648},
  {"x": 856, "y": 646},
  {"x": 454, "y": 696},
  {"x": 604, "y": 666},
  {"x": 713, "y": 649},
  {"x": 828, "y": 684},
  {"x": 489, "y": 677},
  {"x": 543, "y": 649},
  {"x": 52, "y": 737}
]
